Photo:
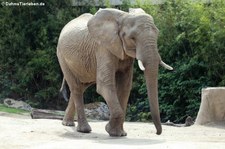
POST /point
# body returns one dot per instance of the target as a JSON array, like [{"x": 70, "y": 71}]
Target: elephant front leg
[
  {"x": 114, "y": 127},
  {"x": 106, "y": 87},
  {"x": 124, "y": 85}
]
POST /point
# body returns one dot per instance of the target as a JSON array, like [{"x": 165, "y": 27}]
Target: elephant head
[{"x": 132, "y": 34}]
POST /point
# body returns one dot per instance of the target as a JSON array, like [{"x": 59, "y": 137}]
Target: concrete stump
[{"x": 212, "y": 108}]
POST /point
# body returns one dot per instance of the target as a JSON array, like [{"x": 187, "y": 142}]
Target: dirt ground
[{"x": 22, "y": 132}]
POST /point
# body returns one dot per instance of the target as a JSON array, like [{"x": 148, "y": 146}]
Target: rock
[
  {"x": 17, "y": 104},
  {"x": 189, "y": 121},
  {"x": 97, "y": 111},
  {"x": 212, "y": 108}
]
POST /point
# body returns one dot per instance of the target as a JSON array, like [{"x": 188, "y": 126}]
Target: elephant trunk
[
  {"x": 151, "y": 77},
  {"x": 149, "y": 61}
]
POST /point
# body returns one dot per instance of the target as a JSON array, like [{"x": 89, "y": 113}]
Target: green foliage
[
  {"x": 180, "y": 90},
  {"x": 138, "y": 111},
  {"x": 3, "y": 108},
  {"x": 28, "y": 62}
]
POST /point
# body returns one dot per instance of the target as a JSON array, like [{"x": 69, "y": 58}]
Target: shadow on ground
[{"x": 106, "y": 139}]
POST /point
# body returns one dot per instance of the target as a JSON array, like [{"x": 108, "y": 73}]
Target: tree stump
[{"x": 212, "y": 106}]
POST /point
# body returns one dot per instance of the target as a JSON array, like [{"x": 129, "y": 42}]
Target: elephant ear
[{"x": 104, "y": 29}]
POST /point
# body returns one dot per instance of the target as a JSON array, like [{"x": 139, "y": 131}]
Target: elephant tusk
[
  {"x": 165, "y": 65},
  {"x": 141, "y": 66}
]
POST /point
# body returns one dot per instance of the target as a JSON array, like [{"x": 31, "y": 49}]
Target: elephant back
[{"x": 77, "y": 24}]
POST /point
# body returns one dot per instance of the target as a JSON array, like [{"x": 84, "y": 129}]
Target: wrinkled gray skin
[{"x": 101, "y": 49}]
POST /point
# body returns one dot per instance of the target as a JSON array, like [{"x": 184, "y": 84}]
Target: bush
[{"x": 28, "y": 62}]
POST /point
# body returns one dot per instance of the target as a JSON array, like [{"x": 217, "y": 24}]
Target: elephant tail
[{"x": 63, "y": 90}]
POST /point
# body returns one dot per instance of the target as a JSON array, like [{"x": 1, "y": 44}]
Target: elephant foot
[
  {"x": 115, "y": 132},
  {"x": 68, "y": 123},
  {"x": 84, "y": 128}
]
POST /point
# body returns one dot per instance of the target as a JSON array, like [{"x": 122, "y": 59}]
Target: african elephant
[{"x": 101, "y": 49}]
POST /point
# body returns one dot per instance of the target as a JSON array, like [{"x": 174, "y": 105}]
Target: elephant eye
[{"x": 132, "y": 38}]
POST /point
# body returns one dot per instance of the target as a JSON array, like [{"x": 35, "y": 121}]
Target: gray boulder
[
  {"x": 97, "y": 111},
  {"x": 17, "y": 104}
]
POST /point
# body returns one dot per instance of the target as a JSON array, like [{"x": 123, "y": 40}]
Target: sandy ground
[{"x": 21, "y": 132}]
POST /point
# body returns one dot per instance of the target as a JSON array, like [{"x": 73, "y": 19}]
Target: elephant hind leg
[
  {"x": 83, "y": 125},
  {"x": 68, "y": 119},
  {"x": 75, "y": 101}
]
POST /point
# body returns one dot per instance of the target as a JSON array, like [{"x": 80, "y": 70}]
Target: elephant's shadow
[{"x": 104, "y": 138}]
